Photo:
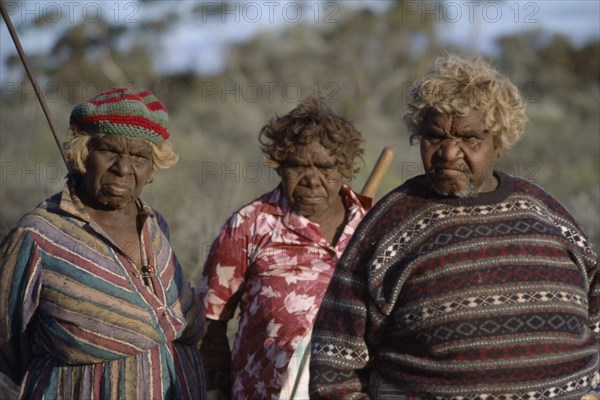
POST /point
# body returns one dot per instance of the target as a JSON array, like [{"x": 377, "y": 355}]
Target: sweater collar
[{"x": 419, "y": 187}]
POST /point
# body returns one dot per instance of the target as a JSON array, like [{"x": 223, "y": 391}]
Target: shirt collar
[{"x": 277, "y": 204}]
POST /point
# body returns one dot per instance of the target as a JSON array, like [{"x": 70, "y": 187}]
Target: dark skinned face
[
  {"x": 458, "y": 154},
  {"x": 311, "y": 181},
  {"x": 117, "y": 168}
]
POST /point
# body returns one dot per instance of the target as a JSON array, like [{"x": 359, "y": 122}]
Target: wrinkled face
[
  {"x": 117, "y": 169},
  {"x": 458, "y": 154},
  {"x": 311, "y": 180}
]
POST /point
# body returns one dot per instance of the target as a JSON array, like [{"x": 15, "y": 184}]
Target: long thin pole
[
  {"x": 23, "y": 58},
  {"x": 379, "y": 170}
]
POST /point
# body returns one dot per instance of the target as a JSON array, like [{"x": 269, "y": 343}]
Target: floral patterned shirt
[{"x": 276, "y": 264}]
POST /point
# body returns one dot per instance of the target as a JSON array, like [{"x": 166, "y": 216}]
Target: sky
[
  {"x": 199, "y": 42},
  {"x": 467, "y": 22},
  {"x": 579, "y": 20}
]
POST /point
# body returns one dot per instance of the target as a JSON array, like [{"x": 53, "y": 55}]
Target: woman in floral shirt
[{"x": 274, "y": 257}]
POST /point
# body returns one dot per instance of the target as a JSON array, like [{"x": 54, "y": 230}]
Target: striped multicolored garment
[
  {"x": 77, "y": 320},
  {"x": 490, "y": 297}
]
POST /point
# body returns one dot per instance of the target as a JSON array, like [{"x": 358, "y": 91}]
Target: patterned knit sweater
[{"x": 490, "y": 297}]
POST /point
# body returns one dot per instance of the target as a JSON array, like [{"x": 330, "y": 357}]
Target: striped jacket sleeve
[
  {"x": 183, "y": 295},
  {"x": 20, "y": 283}
]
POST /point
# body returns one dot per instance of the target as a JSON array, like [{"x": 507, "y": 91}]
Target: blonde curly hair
[
  {"x": 163, "y": 155},
  {"x": 457, "y": 86}
]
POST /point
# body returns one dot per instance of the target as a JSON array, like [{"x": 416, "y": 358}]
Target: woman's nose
[
  {"x": 123, "y": 165},
  {"x": 311, "y": 176}
]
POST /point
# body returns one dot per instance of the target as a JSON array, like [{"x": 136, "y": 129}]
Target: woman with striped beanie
[{"x": 93, "y": 302}]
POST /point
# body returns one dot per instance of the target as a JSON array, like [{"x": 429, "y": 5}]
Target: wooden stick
[
  {"x": 379, "y": 170},
  {"x": 23, "y": 57}
]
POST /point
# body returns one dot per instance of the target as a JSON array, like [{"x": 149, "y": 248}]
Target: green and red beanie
[{"x": 123, "y": 111}]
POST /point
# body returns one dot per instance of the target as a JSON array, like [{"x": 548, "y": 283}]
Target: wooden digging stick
[{"x": 379, "y": 170}]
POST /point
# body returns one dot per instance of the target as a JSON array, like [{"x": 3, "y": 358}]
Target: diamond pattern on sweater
[
  {"x": 434, "y": 310},
  {"x": 596, "y": 328},
  {"x": 549, "y": 393},
  {"x": 574, "y": 237},
  {"x": 496, "y": 327},
  {"x": 464, "y": 232},
  {"x": 341, "y": 352}
]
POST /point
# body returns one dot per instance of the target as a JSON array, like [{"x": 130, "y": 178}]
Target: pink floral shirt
[{"x": 277, "y": 265}]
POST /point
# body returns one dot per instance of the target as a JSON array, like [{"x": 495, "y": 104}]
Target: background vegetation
[{"x": 362, "y": 61}]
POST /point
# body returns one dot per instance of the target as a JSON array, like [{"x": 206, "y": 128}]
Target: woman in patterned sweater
[
  {"x": 463, "y": 283},
  {"x": 93, "y": 302}
]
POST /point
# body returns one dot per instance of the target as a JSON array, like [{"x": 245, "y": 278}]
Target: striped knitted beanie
[{"x": 123, "y": 111}]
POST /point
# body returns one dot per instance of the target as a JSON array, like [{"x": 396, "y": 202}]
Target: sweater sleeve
[
  {"x": 586, "y": 256},
  {"x": 348, "y": 325},
  {"x": 20, "y": 284},
  {"x": 339, "y": 353},
  {"x": 594, "y": 317}
]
